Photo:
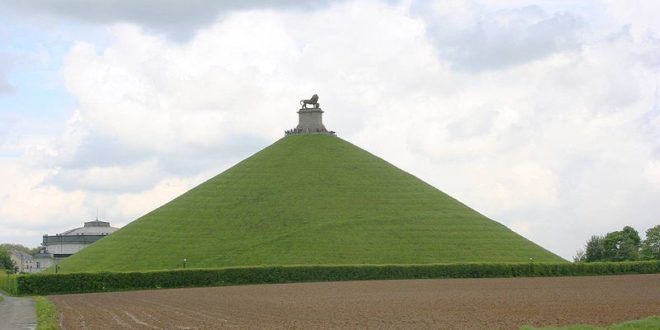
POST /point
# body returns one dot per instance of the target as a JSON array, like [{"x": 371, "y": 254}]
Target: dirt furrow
[{"x": 450, "y": 304}]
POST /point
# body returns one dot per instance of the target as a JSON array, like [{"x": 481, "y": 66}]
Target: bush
[
  {"x": 41, "y": 284},
  {"x": 8, "y": 282}
]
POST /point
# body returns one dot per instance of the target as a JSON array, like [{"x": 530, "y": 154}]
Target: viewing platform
[{"x": 310, "y": 119}]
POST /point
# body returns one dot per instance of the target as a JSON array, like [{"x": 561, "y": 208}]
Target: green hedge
[
  {"x": 8, "y": 282},
  {"x": 42, "y": 284}
]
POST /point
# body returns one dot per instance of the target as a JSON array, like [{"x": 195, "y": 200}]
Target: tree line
[{"x": 622, "y": 245}]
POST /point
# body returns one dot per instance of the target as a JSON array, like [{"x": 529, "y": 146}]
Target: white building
[
  {"x": 42, "y": 260},
  {"x": 23, "y": 262},
  {"x": 60, "y": 246}
]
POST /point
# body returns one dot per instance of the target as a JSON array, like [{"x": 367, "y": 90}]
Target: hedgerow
[{"x": 43, "y": 284}]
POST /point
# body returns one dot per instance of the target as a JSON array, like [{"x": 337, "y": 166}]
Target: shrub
[
  {"x": 8, "y": 282},
  {"x": 40, "y": 284}
]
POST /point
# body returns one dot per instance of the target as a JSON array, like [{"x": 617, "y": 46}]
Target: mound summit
[{"x": 308, "y": 199}]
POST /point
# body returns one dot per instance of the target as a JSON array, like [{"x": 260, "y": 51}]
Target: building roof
[
  {"x": 42, "y": 255},
  {"x": 95, "y": 227},
  {"x": 20, "y": 254}
]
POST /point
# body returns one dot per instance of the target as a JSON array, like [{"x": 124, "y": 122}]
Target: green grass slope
[{"x": 308, "y": 199}]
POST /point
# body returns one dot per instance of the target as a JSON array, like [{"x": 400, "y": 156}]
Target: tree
[
  {"x": 5, "y": 261},
  {"x": 580, "y": 256},
  {"x": 19, "y": 247},
  {"x": 595, "y": 250},
  {"x": 651, "y": 245},
  {"x": 622, "y": 245}
]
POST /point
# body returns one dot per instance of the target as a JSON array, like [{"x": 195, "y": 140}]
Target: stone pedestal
[{"x": 310, "y": 121}]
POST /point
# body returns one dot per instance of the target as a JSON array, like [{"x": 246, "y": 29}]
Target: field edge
[
  {"x": 651, "y": 322},
  {"x": 47, "y": 314}
]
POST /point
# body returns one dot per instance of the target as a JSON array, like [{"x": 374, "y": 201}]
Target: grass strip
[
  {"x": 47, "y": 316},
  {"x": 650, "y": 323}
]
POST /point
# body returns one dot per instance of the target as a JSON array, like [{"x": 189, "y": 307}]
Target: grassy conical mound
[{"x": 308, "y": 199}]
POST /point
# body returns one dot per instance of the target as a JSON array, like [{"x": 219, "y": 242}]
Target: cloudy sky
[{"x": 541, "y": 115}]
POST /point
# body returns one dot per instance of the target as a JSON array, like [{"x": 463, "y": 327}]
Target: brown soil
[{"x": 424, "y": 304}]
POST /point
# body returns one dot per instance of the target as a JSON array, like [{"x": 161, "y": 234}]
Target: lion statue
[{"x": 314, "y": 102}]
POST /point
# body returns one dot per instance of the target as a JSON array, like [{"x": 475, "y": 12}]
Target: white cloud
[
  {"x": 5, "y": 86},
  {"x": 136, "y": 177},
  {"x": 28, "y": 209},
  {"x": 475, "y": 39},
  {"x": 653, "y": 171},
  {"x": 178, "y": 19},
  {"x": 641, "y": 15}
]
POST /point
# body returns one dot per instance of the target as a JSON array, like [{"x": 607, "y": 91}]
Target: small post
[
  {"x": 184, "y": 262},
  {"x": 57, "y": 268}
]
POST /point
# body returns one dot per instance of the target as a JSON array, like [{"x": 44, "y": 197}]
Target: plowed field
[{"x": 448, "y": 304}]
